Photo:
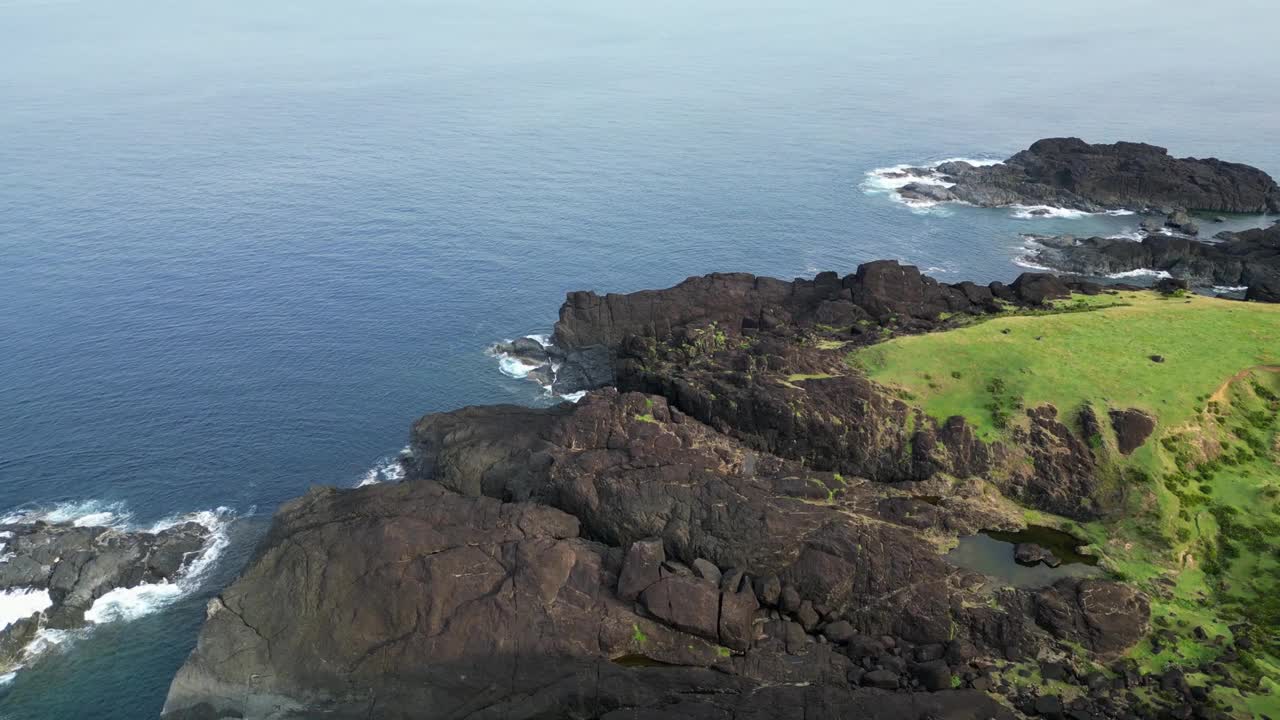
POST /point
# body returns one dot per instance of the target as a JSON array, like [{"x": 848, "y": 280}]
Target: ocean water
[{"x": 243, "y": 245}]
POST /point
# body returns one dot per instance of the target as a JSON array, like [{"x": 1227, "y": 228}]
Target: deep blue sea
[{"x": 244, "y": 244}]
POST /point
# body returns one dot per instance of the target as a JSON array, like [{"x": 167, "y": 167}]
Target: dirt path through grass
[{"x": 1220, "y": 395}]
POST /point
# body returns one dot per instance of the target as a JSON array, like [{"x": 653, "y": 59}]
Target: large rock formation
[
  {"x": 765, "y": 361},
  {"x": 1070, "y": 173},
  {"x": 69, "y": 567},
  {"x": 1243, "y": 259},
  {"x": 882, "y": 295},
  {"x": 615, "y": 559},
  {"x": 748, "y": 528},
  {"x": 413, "y": 601}
]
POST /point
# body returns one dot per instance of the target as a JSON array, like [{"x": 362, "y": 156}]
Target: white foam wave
[
  {"x": 1230, "y": 288},
  {"x": 83, "y": 513},
  {"x": 1119, "y": 213},
  {"x": 1026, "y": 255},
  {"x": 132, "y": 603},
  {"x": 895, "y": 177},
  {"x": 1133, "y": 235},
  {"x": 1024, "y": 261},
  {"x": 1036, "y": 212},
  {"x": 515, "y": 367},
  {"x": 1140, "y": 272},
  {"x": 386, "y": 469},
  {"x": 574, "y": 397},
  {"x": 19, "y": 603}
]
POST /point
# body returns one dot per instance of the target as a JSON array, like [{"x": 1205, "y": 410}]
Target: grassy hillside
[
  {"x": 1200, "y": 531},
  {"x": 986, "y": 371}
]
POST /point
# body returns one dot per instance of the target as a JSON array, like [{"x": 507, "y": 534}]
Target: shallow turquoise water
[{"x": 243, "y": 246}]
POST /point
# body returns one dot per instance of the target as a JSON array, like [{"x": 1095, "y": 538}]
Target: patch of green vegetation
[
  {"x": 723, "y": 651},
  {"x": 1102, "y": 354},
  {"x": 801, "y": 377},
  {"x": 647, "y": 417},
  {"x": 704, "y": 341},
  {"x": 638, "y": 635},
  {"x": 830, "y": 491},
  {"x": 830, "y": 344},
  {"x": 1204, "y": 541}
]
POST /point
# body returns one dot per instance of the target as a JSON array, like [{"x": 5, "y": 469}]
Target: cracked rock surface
[{"x": 412, "y": 600}]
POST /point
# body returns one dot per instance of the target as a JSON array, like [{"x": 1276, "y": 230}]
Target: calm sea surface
[{"x": 243, "y": 245}]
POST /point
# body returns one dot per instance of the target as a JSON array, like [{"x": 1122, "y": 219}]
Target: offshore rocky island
[{"x": 767, "y": 502}]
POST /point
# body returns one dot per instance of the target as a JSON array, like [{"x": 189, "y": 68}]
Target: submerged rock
[
  {"x": 1033, "y": 554},
  {"x": 60, "y": 569}
]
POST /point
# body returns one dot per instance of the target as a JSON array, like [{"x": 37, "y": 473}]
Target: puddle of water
[
  {"x": 991, "y": 553},
  {"x": 1062, "y": 544},
  {"x": 635, "y": 661}
]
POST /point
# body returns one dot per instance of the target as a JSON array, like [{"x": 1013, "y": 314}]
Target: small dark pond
[
  {"x": 638, "y": 661},
  {"x": 991, "y": 553}
]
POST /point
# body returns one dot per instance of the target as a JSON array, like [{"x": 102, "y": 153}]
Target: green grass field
[
  {"x": 1200, "y": 526},
  {"x": 1067, "y": 359}
]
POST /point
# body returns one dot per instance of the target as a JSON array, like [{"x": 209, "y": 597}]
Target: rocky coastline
[
  {"x": 734, "y": 520},
  {"x": 741, "y": 528},
  {"x": 1248, "y": 259}
]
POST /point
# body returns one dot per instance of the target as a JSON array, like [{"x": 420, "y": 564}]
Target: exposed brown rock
[
  {"x": 412, "y": 601},
  {"x": 1132, "y": 427}
]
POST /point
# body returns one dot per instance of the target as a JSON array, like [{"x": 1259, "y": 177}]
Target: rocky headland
[
  {"x": 1071, "y": 173},
  {"x": 734, "y": 521}
]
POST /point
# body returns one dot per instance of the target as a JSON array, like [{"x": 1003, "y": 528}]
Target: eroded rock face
[
  {"x": 739, "y": 353},
  {"x": 1070, "y": 173},
  {"x": 413, "y": 601},
  {"x": 77, "y": 565},
  {"x": 1103, "y": 616},
  {"x": 880, "y": 293},
  {"x": 1063, "y": 475},
  {"x": 630, "y": 468}
]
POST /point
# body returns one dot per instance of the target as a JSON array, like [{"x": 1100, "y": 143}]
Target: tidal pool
[{"x": 991, "y": 553}]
